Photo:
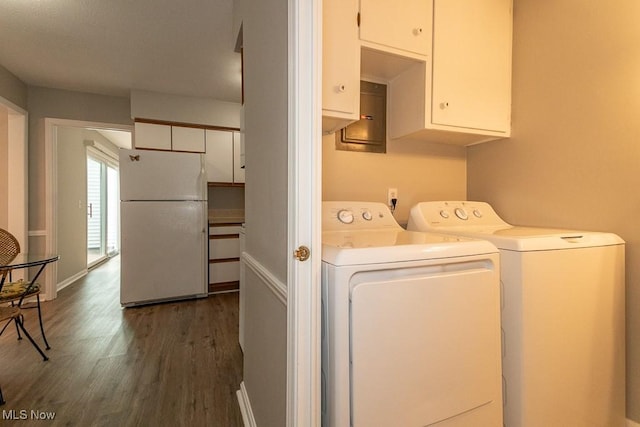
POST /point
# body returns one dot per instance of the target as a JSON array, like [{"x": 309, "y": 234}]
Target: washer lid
[
  {"x": 480, "y": 221},
  {"x": 524, "y": 239},
  {"x": 343, "y": 248}
]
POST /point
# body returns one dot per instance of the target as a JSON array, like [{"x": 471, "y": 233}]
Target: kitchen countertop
[{"x": 225, "y": 216}]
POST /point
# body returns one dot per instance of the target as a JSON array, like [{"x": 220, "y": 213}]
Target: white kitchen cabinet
[
  {"x": 157, "y": 136},
  {"x": 402, "y": 24},
  {"x": 152, "y": 136},
  {"x": 463, "y": 95},
  {"x": 219, "y": 156},
  {"x": 238, "y": 158},
  {"x": 223, "y": 157},
  {"x": 224, "y": 257},
  {"x": 187, "y": 139},
  {"x": 340, "y": 65},
  {"x": 223, "y": 273}
]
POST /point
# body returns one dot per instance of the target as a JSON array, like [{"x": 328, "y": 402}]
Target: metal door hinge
[{"x": 302, "y": 253}]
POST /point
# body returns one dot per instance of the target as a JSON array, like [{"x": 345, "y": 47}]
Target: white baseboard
[
  {"x": 632, "y": 423},
  {"x": 71, "y": 279},
  {"x": 245, "y": 407}
]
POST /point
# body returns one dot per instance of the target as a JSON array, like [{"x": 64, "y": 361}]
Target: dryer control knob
[
  {"x": 345, "y": 216},
  {"x": 444, "y": 214},
  {"x": 367, "y": 215},
  {"x": 477, "y": 213},
  {"x": 462, "y": 214}
]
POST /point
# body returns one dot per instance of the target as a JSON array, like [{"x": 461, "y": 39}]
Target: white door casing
[{"x": 305, "y": 163}]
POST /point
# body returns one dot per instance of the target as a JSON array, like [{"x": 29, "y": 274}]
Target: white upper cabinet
[
  {"x": 223, "y": 157},
  {"x": 219, "y": 156},
  {"x": 472, "y": 68},
  {"x": 447, "y": 64},
  {"x": 402, "y": 24},
  {"x": 340, "y": 64},
  {"x": 152, "y": 136},
  {"x": 462, "y": 95},
  {"x": 187, "y": 139},
  {"x": 156, "y": 136},
  {"x": 238, "y": 158}
]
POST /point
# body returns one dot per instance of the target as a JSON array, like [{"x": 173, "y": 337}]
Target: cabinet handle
[
  {"x": 444, "y": 105},
  {"x": 341, "y": 88},
  {"x": 417, "y": 31}
]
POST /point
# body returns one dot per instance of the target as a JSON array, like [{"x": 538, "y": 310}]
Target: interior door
[{"x": 282, "y": 110}]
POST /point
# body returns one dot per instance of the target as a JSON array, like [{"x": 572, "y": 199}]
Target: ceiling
[{"x": 112, "y": 46}]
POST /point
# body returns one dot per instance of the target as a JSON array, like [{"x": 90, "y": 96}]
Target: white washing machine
[
  {"x": 563, "y": 316},
  {"x": 411, "y": 324}
]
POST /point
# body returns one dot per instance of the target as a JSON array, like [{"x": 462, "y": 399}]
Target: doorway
[
  {"x": 66, "y": 145},
  {"x": 103, "y": 215},
  {"x": 14, "y": 172}
]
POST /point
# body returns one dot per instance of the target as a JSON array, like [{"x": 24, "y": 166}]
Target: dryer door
[{"x": 425, "y": 346}]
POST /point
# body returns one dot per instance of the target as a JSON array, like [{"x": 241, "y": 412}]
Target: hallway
[{"x": 167, "y": 364}]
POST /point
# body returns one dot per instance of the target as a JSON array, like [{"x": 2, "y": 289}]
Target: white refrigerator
[{"x": 163, "y": 213}]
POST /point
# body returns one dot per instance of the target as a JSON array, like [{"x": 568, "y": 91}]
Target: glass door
[{"x": 103, "y": 222}]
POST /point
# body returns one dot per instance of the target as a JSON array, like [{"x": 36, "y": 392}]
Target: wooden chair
[{"x": 16, "y": 292}]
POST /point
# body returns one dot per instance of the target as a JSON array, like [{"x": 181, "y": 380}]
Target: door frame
[
  {"x": 50, "y": 231},
  {"x": 304, "y": 202},
  {"x": 18, "y": 172}
]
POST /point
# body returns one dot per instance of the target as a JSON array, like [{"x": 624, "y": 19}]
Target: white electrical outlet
[{"x": 392, "y": 193}]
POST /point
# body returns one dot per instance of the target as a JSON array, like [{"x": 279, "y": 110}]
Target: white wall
[
  {"x": 184, "y": 109},
  {"x": 12, "y": 88},
  {"x": 72, "y": 198},
  {"x": 574, "y": 155},
  {"x": 418, "y": 170},
  {"x": 62, "y": 104},
  {"x": 4, "y": 169}
]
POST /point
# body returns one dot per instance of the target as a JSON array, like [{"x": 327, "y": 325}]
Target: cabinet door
[
  {"x": 472, "y": 64},
  {"x": 238, "y": 164},
  {"x": 222, "y": 272},
  {"x": 219, "y": 156},
  {"x": 152, "y": 136},
  {"x": 401, "y": 24},
  {"x": 340, "y": 64},
  {"x": 224, "y": 248},
  {"x": 187, "y": 139}
]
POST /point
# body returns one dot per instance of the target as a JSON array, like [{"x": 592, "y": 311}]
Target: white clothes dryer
[
  {"x": 563, "y": 315},
  {"x": 410, "y": 324}
]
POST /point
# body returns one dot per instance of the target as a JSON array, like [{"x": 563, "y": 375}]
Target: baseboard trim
[
  {"x": 71, "y": 279},
  {"x": 278, "y": 288},
  {"x": 632, "y": 423},
  {"x": 245, "y": 407}
]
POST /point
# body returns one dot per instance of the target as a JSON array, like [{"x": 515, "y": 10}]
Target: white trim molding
[
  {"x": 304, "y": 197},
  {"x": 272, "y": 283},
  {"x": 245, "y": 407}
]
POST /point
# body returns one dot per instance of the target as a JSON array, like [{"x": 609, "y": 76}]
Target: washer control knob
[
  {"x": 345, "y": 216},
  {"x": 462, "y": 214},
  {"x": 477, "y": 213},
  {"x": 367, "y": 215},
  {"x": 444, "y": 214}
]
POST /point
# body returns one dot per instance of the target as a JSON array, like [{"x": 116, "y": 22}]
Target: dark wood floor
[{"x": 172, "y": 364}]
